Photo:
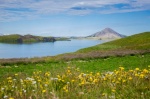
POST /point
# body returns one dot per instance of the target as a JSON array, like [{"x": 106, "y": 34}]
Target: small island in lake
[{"x": 16, "y": 38}]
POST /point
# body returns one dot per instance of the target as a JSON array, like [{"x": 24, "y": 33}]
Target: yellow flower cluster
[{"x": 43, "y": 85}]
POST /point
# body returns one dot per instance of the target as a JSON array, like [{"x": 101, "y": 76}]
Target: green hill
[
  {"x": 15, "y": 38},
  {"x": 139, "y": 41}
]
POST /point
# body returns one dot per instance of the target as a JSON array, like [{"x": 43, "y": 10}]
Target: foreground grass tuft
[{"x": 75, "y": 84}]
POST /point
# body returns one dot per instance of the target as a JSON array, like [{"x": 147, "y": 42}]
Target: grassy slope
[{"x": 135, "y": 42}]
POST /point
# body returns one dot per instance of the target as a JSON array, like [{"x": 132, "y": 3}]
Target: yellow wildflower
[
  {"x": 145, "y": 70},
  {"x": 113, "y": 90},
  {"x": 137, "y": 69},
  {"x": 11, "y": 98},
  {"x": 130, "y": 78},
  {"x": 16, "y": 74},
  {"x": 72, "y": 80},
  {"x": 141, "y": 75},
  {"x": 121, "y": 68},
  {"x": 43, "y": 91},
  {"x": 136, "y": 75},
  {"x": 123, "y": 81},
  {"x": 103, "y": 94}
]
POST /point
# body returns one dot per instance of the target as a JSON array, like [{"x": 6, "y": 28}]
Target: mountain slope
[{"x": 107, "y": 33}]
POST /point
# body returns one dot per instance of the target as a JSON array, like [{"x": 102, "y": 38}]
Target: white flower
[
  {"x": 84, "y": 75},
  {"x": 54, "y": 79},
  {"x": 33, "y": 82},
  {"x": 5, "y": 96},
  {"x": 2, "y": 88},
  {"x": 24, "y": 90},
  {"x": 14, "y": 79}
]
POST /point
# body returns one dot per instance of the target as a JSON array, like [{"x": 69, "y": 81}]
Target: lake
[{"x": 44, "y": 49}]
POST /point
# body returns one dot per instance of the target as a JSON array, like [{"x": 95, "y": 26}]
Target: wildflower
[
  {"x": 10, "y": 81},
  {"x": 47, "y": 74},
  {"x": 130, "y": 70},
  {"x": 2, "y": 89},
  {"x": 72, "y": 80},
  {"x": 103, "y": 94},
  {"x": 16, "y": 74},
  {"x": 137, "y": 69},
  {"x": 123, "y": 81},
  {"x": 145, "y": 71},
  {"x": 95, "y": 80},
  {"x": 43, "y": 91},
  {"x": 9, "y": 78},
  {"x": 11, "y": 98},
  {"x": 104, "y": 78},
  {"x": 81, "y": 93},
  {"x": 24, "y": 91},
  {"x": 82, "y": 83},
  {"x": 113, "y": 90},
  {"x": 5, "y": 96},
  {"x": 97, "y": 74},
  {"x": 66, "y": 90},
  {"x": 68, "y": 71},
  {"x": 84, "y": 75},
  {"x": 121, "y": 68},
  {"x": 39, "y": 80},
  {"x": 119, "y": 79},
  {"x": 136, "y": 75},
  {"x": 68, "y": 67},
  {"x": 14, "y": 79},
  {"x": 141, "y": 75},
  {"x": 130, "y": 78},
  {"x": 33, "y": 82}
]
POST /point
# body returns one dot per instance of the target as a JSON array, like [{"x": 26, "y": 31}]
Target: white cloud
[{"x": 17, "y": 9}]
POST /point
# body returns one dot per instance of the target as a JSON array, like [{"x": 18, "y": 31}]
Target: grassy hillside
[{"x": 136, "y": 42}]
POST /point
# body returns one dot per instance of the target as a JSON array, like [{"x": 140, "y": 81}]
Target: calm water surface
[{"x": 44, "y": 49}]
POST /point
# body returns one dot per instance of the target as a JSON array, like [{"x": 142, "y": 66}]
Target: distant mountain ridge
[{"x": 107, "y": 33}]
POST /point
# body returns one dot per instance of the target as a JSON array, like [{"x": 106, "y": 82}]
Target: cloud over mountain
[{"x": 20, "y": 9}]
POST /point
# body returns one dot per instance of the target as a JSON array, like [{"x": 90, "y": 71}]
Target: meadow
[{"x": 115, "y": 70}]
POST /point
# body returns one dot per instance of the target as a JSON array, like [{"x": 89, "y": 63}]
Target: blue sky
[{"x": 73, "y": 17}]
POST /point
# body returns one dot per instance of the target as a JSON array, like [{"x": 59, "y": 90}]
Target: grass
[
  {"x": 136, "y": 42},
  {"x": 118, "y": 69},
  {"x": 75, "y": 84}
]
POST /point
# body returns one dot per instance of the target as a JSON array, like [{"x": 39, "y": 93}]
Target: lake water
[{"x": 44, "y": 49}]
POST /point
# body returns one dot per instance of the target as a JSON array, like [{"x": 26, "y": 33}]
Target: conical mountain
[{"x": 107, "y": 33}]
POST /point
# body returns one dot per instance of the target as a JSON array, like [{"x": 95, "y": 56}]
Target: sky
[{"x": 73, "y": 17}]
